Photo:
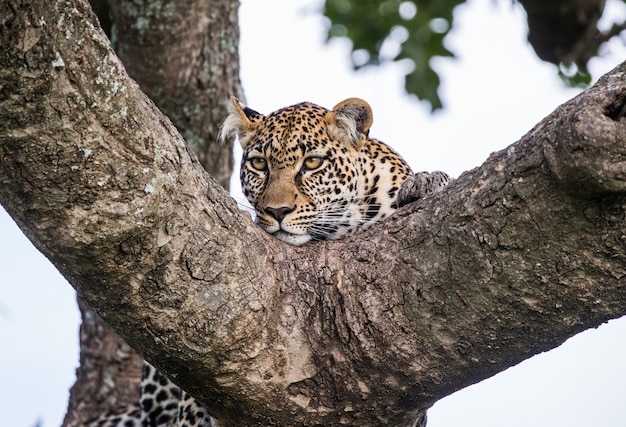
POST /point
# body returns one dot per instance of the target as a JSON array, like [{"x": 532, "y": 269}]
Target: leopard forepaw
[{"x": 419, "y": 185}]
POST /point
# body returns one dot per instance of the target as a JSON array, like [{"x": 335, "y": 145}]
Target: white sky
[{"x": 494, "y": 92}]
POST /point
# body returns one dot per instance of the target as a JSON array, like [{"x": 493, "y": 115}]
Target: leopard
[
  {"x": 310, "y": 174},
  {"x": 161, "y": 404}
]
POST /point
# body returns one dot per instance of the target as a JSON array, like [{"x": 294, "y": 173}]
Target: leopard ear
[
  {"x": 241, "y": 121},
  {"x": 353, "y": 117}
]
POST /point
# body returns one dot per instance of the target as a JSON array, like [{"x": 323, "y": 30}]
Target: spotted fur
[
  {"x": 161, "y": 404},
  {"x": 313, "y": 173}
]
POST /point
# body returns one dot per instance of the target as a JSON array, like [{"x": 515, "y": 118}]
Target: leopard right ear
[
  {"x": 351, "y": 119},
  {"x": 241, "y": 121}
]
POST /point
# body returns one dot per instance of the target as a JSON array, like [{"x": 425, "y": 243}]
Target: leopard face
[{"x": 313, "y": 173}]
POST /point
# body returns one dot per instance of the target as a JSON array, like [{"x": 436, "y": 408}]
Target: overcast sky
[{"x": 494, "y": 92}]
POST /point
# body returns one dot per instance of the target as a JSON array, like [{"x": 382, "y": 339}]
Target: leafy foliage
[
  {"x": 395, "y": 30},
  {"x": 562, "y": 32},
  {"x": 574, "y": 76}
]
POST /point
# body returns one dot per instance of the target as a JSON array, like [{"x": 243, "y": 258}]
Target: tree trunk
[
  {"x": 185, "y": 57},
  {"x": 508, "y": 261}
]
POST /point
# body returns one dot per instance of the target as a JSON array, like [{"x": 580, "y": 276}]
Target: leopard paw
[{"x": 419, "y": 185}]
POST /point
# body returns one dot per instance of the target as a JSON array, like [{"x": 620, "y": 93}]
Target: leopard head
[{"x": 307, "y": 170}]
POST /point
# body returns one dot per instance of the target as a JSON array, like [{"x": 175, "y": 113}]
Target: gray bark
[{"x": 508, "y": 261}]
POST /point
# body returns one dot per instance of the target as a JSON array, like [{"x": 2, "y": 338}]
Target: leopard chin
[{"x": 292, "y": 239}]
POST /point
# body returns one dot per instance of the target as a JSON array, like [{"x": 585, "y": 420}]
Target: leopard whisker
[{"x": 244, "y": 205}]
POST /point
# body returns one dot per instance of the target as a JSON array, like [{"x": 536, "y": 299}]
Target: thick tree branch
[
  {"x": 510, "y": 260},
  {"x": 184, "y": 55}
]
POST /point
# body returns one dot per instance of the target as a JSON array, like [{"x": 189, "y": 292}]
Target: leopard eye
[
  {"x": 313, "y": 162},
  {"x": 258, "y": 163}
]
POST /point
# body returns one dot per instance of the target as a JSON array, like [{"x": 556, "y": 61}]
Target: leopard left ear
[
  {"x": 241, "y": 121},
  {"x": 353, "y": 117}
]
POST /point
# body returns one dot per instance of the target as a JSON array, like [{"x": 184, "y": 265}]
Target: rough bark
[{"x": 510, "y": 260}]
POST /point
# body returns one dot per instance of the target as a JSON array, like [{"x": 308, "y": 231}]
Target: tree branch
[
  {"x": 510, "y": 260},
  {"x": 184, "y": 55}
]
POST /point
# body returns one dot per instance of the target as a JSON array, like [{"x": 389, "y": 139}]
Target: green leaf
[
  {"x": 574, "y": 75},
  {"x": 369, "y": 23}
]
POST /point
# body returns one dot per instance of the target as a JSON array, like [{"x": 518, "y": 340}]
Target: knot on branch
[{"x": 587, "y": 147}]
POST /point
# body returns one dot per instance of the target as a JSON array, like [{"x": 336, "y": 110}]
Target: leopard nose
[{"x": 279, "y": 213}]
